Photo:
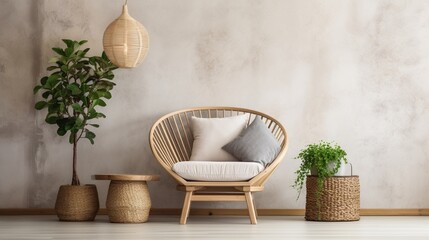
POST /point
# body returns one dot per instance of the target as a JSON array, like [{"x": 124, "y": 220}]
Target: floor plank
[{"x": 215, "y": 227}]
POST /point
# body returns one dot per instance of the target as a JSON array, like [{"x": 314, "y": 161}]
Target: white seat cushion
[{"x": 222, "y": 171}]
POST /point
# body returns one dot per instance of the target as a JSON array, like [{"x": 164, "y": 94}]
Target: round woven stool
[{"x": 128, "y": 199}]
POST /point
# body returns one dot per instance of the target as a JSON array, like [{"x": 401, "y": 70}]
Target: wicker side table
[
  {"x": 128, "y": 199},
  {"x": 339, "y": 199}
]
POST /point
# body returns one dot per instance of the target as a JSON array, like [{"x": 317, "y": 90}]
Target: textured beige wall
[{"x": 350, "y": 71}]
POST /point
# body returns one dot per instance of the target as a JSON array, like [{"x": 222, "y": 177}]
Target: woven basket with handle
[{"x": 339, "y": 199}]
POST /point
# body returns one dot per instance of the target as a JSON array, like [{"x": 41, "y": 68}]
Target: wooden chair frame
[{"x": 171, "y": 142}]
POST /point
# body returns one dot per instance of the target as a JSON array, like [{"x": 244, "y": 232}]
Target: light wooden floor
[{"x": 214, "y": 227}]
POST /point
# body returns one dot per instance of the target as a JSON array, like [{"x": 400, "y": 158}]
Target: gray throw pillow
[{"x": 256, "y": 143}]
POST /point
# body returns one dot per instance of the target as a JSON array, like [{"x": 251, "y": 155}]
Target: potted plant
[
  {"x": 73, "y": 91},
  {"x": 322, "y": 159}
]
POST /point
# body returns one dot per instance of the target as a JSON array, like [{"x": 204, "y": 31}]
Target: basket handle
[{"x": 351, "y": 169}]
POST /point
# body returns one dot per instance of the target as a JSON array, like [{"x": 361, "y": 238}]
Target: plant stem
[
  {"x": 81, "y": 132},
  {"x": 75, "y": 179}
]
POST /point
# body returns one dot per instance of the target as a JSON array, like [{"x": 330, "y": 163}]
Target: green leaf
[
  {"x": 58, "y": 94},
  {"x": 85, "y": 63},
  {"x": 74, "y": 88},
  {"x": 64, "y": 68},
  {"x": 69, "y": 124},
  {"x": 69, "y": 51},
  {"x": 77, "y": 107},
  {"x": 76, "y": 45},
  {"x": 108, "y": 95},
  {"x": 104, "y": 85},
  {"x": 109, "y": 76},
  {"x": 94, "y": 96},
  {"x": 68, "y": 42},
  {"x": 104, "y": 94},
  {"x": 51, "y": 119},
  {"x": 83, "y": 77},
  {"x": 72, "y": 71},
  {"x": 53, "y": 59},
  {"x": 40, "y": 105},
  {"x": 92, "y": 60},
  {"x": 52, "y": 81},
  {"x": 74, "y": 130},
  {"x": 78, "y": 123},
  {"x": 61, "y": 131},
  {"x": 36, "y": 89},
  {"x": 53, "y": 77},
  {"x": 85, "y": 51},
  {"x": 104, "y": 56},
  {"x": 53, "y": 107},
  {"x": 89, "y": 134},
  {"x": 62, "y": 122},
  {"x": 84, "y": 88},
  {"x": 72, "y": 137},
  {"x": 85, "y": 101},
  {"x": 92, "y": 113},
  {"x": 62, "y": 107},
  {"x": 43, "y": 80},
  {"x": 51, "y": 68},
  {"x": 95, "y": 125},
  {"x": 99, "y": 102},
  {"x": 83, "y": 42},
  {"x": 99, "y": 115},
  {"x": 59, "y": 51},
  {"x": 46, "y": 94}
]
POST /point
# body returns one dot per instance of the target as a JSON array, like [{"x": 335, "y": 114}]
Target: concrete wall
[{"x": 350, "y": 71}]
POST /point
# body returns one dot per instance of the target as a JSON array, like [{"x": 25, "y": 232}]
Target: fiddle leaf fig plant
[
  {"x": 76, "y": 87},
  {"x": 324, "y": 157}
]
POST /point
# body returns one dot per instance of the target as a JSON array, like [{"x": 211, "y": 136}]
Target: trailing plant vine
[
  {"x": 76, "y": 86},
  {"x": 324, "y": 157}
]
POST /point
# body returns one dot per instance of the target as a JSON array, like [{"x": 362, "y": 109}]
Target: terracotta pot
[{"x": 77, "y": 203}]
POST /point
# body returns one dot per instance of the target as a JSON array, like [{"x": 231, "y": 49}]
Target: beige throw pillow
[{"x": 211, "y": 134}]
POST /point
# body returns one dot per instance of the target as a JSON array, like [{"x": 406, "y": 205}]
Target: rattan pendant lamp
[{"x": 126, "y": 41}]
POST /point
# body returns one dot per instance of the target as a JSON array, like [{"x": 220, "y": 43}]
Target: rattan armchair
[{"x": 171, "y": 142}]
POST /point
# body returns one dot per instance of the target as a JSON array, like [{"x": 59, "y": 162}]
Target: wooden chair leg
[
  {"x": 186, "y": 207},
  {"x": 251, "y": 207},
  {"x": 256, "y": 210}
]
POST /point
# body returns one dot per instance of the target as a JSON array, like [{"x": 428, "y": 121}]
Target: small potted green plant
[
  {"x": 72, "y": 93},
  {"x": 322, "y": 159}
]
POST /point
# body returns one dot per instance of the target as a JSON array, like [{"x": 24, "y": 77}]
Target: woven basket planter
[
  {"x": 77, "y": 203},
  {"x": 339, "y": 199}
]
